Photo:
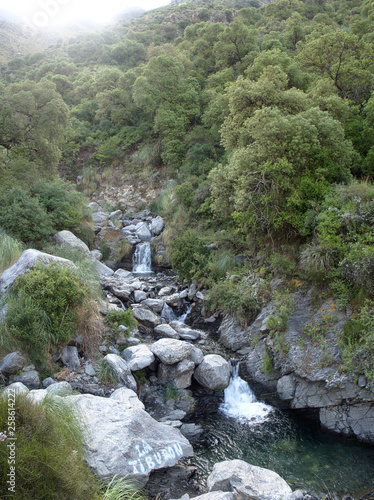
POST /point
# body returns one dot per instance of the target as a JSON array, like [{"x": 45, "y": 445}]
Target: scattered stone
[
  {"x": 12, "y": 363},
  {"x": 138, "y": 357},
  {"x": 89, "y": 370},
  {"x": 146, "y": 317},
  {"x": 165, "y": 330},
  {"x": 30, "y": 379},
  {"x": 48, "y": 381},
  {"x": 70, "y": 358},
  {"x": 140, "y": 296},
  {"x": 121, "y": 370},
  {"x": 155, "y": 304}
]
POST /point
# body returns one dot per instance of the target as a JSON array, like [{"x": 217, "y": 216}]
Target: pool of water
[{"x": 306, "y": 457}]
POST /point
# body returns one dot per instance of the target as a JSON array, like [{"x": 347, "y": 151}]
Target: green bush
[
  {"x": 10, "y": 251},
  {"x": 190, "y": 256},
  {"x": 114, "y": 318},
  {"x": 25, "y": 218},
  {"x": 43, "y": 310}
]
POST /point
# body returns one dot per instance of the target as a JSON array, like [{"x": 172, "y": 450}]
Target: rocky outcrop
[
  {"x": 28, "y": 260},
  {"x": 248, "y": 481},
  {"x": 301, "y": 367}
]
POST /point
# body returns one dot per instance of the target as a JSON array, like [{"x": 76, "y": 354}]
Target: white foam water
[
  {"x": 241, "y": 403},
  {"x": 141, "y": 259}
]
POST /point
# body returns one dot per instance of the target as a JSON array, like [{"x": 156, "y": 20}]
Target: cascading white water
[
  {"x": 141, "y": 259},
  {"x": 183, "y": 317},
  {"x": 241, "y": 403}
]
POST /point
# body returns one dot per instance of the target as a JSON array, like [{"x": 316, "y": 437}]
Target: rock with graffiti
[{"x": 126, "y": 441}]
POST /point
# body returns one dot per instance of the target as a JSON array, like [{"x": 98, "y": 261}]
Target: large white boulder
[
  {"x": 121, "y": 370},
  {"x": 126, "y": 441},
  {"x": 29, "y": 259},
  {"x": 248, "y": 481},
  {"x": 138, "y": 357}
]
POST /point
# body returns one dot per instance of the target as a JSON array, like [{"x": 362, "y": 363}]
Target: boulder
[
  {"x": 12, "y": 363},
  {"x": 60, "y": 389},
  {"x": 17, "y": 388},
  {"x": 29, "y": 259},
  {"x": 138, "y": 357},
  {"x": 70, "y": 358},
  {"x": 248, "y": 481},
  {"x": 37, "y": 395},
  {"x": 123, "y": 274},
  {"x": 140, "y": 296},
  {"x": 128, "y": 397},
  {"x": 143, "y": 232},
  {"x": 179, "y": 375},
  {"x": 155, "y": 304},
  {"x": 126, "y": 441},
  {"x": 167, "y": 331},
  {"x": 213, "y": 373},
  {"x": 146, "y": 317},
  {"x": 121, "y": 370},
  {"x": 102, "y": 269},
  {"x": 215, "y": 495},
  {"x": 68, "y": 239},
  {"x": 157, "y": 225},
  {"x": 30, "y": 379},
  {"x": 171, "y": 351}
]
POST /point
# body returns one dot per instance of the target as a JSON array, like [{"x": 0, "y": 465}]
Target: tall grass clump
[
  {"x": 50, "y": 456},
  {"x": 10, "y": 250}
]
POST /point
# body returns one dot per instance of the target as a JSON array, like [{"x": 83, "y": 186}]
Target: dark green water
[{"x": 306, "y": 457}]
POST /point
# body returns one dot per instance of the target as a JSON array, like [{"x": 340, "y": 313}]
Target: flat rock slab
[
  {"x": 126, "y": 441},
  {"x": 248, "y": 481}
]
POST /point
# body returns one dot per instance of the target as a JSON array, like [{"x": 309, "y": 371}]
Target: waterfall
[
  {"x": 241, "y": 403},
  {"x": 183, "y": 317},
  {"x": 168, "y": 314},
  {"x": 141, "y": 259}
]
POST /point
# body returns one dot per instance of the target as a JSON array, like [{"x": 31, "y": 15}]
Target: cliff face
[{"x": 301, "y": 367}]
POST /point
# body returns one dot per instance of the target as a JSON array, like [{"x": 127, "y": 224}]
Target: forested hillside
[{"x": 256, "y": 117}]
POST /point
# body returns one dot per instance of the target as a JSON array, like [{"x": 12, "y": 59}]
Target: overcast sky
[{"x": 44, "y": 13}]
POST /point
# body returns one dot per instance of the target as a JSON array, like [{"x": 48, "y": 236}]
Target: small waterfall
[
  {"x": 241, "y": 403},
  {"x": 183, "y": 317},
  {"x": 141, "y": 259},
  {"x": 168, "y": 314}
]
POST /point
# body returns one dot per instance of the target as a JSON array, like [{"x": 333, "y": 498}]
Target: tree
[{"x": 33, "y": 121}]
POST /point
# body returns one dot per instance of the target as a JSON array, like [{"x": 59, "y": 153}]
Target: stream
[{"x": 297, "y": 449}]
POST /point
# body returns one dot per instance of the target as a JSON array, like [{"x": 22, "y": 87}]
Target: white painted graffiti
[{"x": 148, "y": 459}]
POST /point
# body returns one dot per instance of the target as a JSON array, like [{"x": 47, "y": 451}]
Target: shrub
[
  {"x": 115, "y": 317},
  {"x": 42, "y": 310},
  {"x": 25, "y": 218},
  {"x": 190, "y": 256},
  {"x": 105, "y": 374}
]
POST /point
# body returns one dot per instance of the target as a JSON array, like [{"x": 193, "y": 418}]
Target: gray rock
[
  {"x": 213, "y": 373},
  {"x": 146, "y": 317},
  {"x": 89, "y": 370},
  {"x": 102, "y": 269},
  {"x": 216, "y": 495},
  {"x": 197, "y": 356},
  {"x": 232, "y": 335},
  {"x": 128, "y": 397},
  {"x": 126, "y": 441},
  {"x": 143, "y": 232},
  {"x": 157, "y": 225},
  {"x": 286, "y": 387},
  {"x": 140, "y": 296},
  {"x": 70, "y": 358},
  {"x": 29, "y": 259},
  {"x": 17, "y": 388},
  {"x": 94, "y": 206},
  {"x": 167, "y": 331},
  {"x": 96, "y": 255},
  {"x": 155, "y": 304},
  {"x": 356, "y": 420},
  {"x": 68, "y": 239},
  {"x": 60, "y": 389},
  {"x": 138, "y": 357},
  {"x": 121, "y": 370},
  {"x": 179, "y": 375},
  {"x": 99, "y": 219},
  {"x": 171, "y": 351},
  {"x": 123, "y": 274},
  {"x": 30, "y": 379},
  {"x": 12, "y": 363},
  {"x": 248, "y": 481},
  {"x": 164, "y": 291},
  {"x": 48, "y": 381}
]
